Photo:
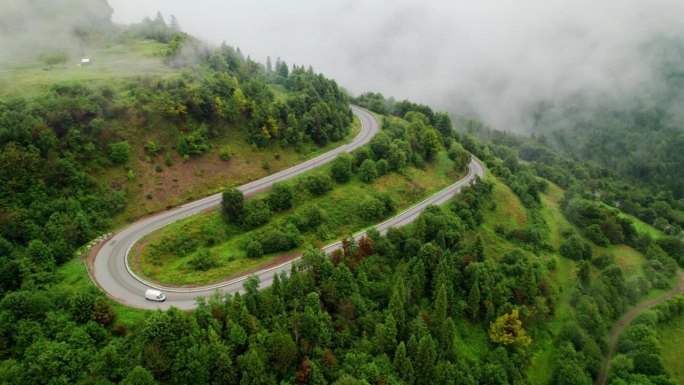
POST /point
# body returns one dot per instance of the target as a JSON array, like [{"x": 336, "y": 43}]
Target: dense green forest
[
  {"x": 488, "y": 288},
  {"x": 602, "y": 292},
  {"x": 51, "y": 143}
]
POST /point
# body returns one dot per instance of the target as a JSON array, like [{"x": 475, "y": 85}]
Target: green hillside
[
  {"x": 518, "y": 279},
  {"x": 110, "y": 65}
]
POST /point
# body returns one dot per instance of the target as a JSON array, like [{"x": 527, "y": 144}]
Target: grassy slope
[
  {"x": 639, "y": 225},
  {"x": 184, "y": 181},
  {"x": 511, "y": 214},
  {"x": 75, "y": 276},
  {"x": 562, "y": 277},
  {"x": 340, "y": 205},
  {"x": 671, "y": 336},
  {"x": 140, "y": 57},
  {"x": 629, "y": 259},
  {"x": 508, "y": 212},
  {"x": 110, "y": 65},
  {"x": 151, "y": 190}
]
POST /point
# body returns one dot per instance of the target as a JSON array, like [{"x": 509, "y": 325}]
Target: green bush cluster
[
  {"x": 318, "y": 184},
  {"x": 272, "y": 239}
]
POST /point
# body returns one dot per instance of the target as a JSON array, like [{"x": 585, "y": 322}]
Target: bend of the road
[
  {"x": 113, "y": 275},
  {"x": 626, "y": 319}
]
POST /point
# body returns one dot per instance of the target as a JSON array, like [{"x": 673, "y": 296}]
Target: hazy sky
[{"x": 496, "y": 58}]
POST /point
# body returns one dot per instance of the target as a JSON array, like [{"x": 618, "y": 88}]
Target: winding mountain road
[{"x": 111, "y": 272}]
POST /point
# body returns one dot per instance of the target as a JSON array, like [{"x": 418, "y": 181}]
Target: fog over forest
[{"x": 495, "y": 58}]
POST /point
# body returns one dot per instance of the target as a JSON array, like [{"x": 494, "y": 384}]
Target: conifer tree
[
  {"x": 478, "y": 249},
  {"x": 425, "y": 360},
  {"x": 441, "y": 305},
  {"x": 402, "y": 364},
  {"x": 474, "y": 301},
  {"x": 396, "y": 309}
]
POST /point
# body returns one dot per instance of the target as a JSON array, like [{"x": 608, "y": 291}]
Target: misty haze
[
  {"x": 494, "y": 58},
  {"x": 341, "y": 192}
]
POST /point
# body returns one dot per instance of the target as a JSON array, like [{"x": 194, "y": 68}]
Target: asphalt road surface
[{"x": 112, "y": 273}]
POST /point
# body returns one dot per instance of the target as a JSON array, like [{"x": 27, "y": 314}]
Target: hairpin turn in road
[{"x": 112, "y": 273}]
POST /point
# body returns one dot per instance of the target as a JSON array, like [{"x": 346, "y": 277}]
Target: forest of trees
[
  {"x": 51, "y": 205},
  {"x": 590, "y": 191},
  {"x": 384, "y": 310},
  {"x": 424, "y": 304},
  {"x": 399, "y": 144}
]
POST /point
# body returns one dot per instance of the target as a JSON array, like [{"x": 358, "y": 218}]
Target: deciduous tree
[{"x": 508, "y": 330}]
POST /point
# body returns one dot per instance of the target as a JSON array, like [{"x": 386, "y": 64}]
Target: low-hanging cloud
[
  {"x": 493, "y": 58},
  {"x": 29, "y": 28}
]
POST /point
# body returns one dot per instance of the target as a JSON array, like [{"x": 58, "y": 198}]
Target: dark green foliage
[
  {"x": 583, "y": 273},
  {"x": 478, "y": 249},
  {"x": 233, "y": 205},
  {"x": 153, "y": 147},
  {"x": 367, "y": 171},
  {"x": 374, "y": 102},
  {"x": 253, "y": 369},
  {"x": 440, "y": 305},
  {"x": 119, "y": 152},
  {"x": 328, "y": 117},
  {"x": 402, "y": 364},
  {"x": 318, "y": 184},
  {"x": 569, "y": 369},
  {"x": 459, "y": 155},
  {"x": 405, "y": 106},
  {"x": 674, "y": 247},
  {"x": 309, "y": 219},
  {"x": 139, "y": 376},
  {"x": 371, "y": 209},
  {"x": 376, "y": 207},
  {"x": 380, "y": 146},
  {"x": 254, "y": 249},
  {"x": 638, "y": 348},
  {"x": 638, "y": 196},
  {"x": 382, "y": 166},
  {"x": 387, "y": 315},
  {"x": 273, "y": 239},
  {"x": 102, "y": 313},
  {"x": 203, "y": 260},
  {"x": 429, "y": 144},
  {"x": 341, "y": 169},
  {"x": 595, "y": 235},
  {"x": 574, "y": 247},
  {"x": 194, "y": 142},
  {"x": 397, "y": 157},
  {"x": 281, "y": 196},
  {"x": 425, "y": 360},
  {"x": 282, "y": 352},
  {"x": 257, "y": 213},
  {"x": 474, "y": 300},
  {"x": 371, "y": 316},
  {"x": 389, "y": 206},
  {"x": 362, "y": 154}
]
